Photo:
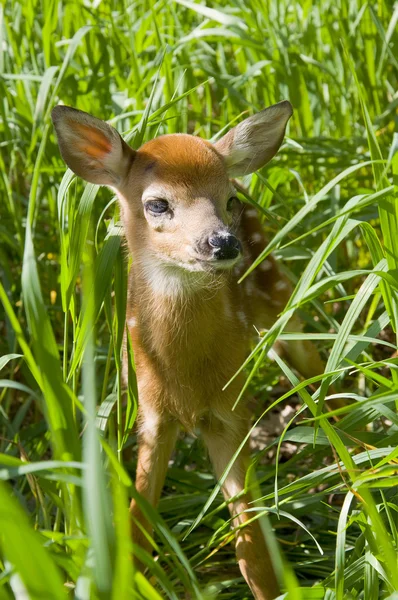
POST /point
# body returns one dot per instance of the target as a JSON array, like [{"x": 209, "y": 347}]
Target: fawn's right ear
[{"x": 90, "y": 147}]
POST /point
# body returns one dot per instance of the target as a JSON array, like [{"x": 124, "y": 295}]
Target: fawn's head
[{"x": 178, "y": 203}]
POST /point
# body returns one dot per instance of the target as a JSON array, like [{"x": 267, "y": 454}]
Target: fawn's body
[{"x": 190, "y": 322}]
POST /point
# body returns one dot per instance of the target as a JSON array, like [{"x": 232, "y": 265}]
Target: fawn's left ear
[
  {"x": 90, "y": 147},
  {"x": 251, "y": 144}
]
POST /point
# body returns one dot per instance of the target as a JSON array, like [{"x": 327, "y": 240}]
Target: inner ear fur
[
  {"x": 90, "y": 147},
  {"x": 251, "y": 144}
]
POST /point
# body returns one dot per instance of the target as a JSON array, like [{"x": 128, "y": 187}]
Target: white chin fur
[
  {"x": 202, "y": 266},
  {"x": 172, "y": 278}
]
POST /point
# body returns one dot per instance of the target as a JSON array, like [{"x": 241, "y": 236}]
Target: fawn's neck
[{"x": 178, "y": 311}]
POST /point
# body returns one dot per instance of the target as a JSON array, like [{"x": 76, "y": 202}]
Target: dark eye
[
  {"x": 232, "y": 202},
  {"x": 157, "y": 207}
]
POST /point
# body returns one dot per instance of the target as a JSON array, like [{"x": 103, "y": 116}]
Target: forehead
[{"x": 183, "y": 160}]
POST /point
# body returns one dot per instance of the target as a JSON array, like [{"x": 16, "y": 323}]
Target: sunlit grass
[{"x": 330, "y": 212}]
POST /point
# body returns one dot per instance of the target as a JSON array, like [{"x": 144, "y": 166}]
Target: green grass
[{"x": 67, "y": 457}]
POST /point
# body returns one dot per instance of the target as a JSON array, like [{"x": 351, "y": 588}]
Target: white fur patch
[
  {"x": 166, "y": 279},
  {"x": 155, "y": 190},
  {"x": 149, "y": 423},
  {"x": 242, "y": 317},
  {"x": 257, "y": 237},
  {"x": 281, "y": 285},
  {"x": 249, "y": 287},
  {"x": 164, "y": 283},
  {"x": 132, "y": 322},
  {"x": 232, "y": 485},
  {"x": 266, "y": 265}
]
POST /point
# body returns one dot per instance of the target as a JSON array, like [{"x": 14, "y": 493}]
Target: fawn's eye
[
  {"x": 157, "y": 207},
  {"x": 232, "y": 202}
]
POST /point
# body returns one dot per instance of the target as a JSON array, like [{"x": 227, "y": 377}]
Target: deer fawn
[{"x": 190, "y": 322}]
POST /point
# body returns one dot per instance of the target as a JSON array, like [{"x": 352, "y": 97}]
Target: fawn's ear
[
  {"x": 90, "y": 147},
  {"x": 251, "y": 144}
]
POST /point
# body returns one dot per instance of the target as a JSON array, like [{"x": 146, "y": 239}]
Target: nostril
[
  {"x": 225, "y": 245},
  {"x": 235, "y": 243},
  {"x": 224, "y": 240},
  {"x": 216, "y": 241}
]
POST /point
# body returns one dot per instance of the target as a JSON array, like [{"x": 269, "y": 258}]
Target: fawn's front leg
[
  {"x": 251, "y": 550},
  {"x": 156, "y": 439}
]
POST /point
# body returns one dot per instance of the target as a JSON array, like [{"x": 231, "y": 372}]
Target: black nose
[{"x": 226, "y": 245}]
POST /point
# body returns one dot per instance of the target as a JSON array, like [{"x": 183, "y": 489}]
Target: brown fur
[{"x": 191, "y": 324}]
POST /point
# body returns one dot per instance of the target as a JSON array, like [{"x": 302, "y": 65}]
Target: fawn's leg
[
  {"x": 251, "y": 550},
  {"x": 156, "y": 440}
]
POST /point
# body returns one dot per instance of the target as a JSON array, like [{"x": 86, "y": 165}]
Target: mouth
[
  {"x": 200, "y": 264},
  {"x": 212, "y": 264},
  {"x": 218, "y": 264}
]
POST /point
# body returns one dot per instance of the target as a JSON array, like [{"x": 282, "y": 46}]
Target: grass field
[{"x": 330, "y": 212}]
